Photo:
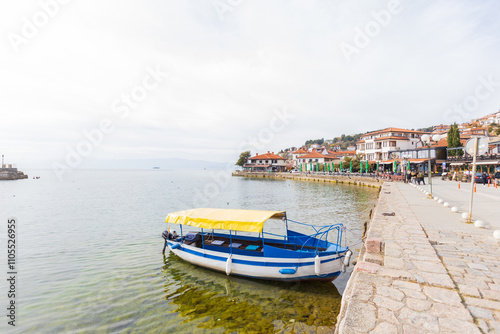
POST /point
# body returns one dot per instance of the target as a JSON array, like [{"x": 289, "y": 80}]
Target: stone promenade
[{"x": 422, "y": 270}]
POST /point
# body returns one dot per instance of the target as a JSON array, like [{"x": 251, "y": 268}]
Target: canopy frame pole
[
  {"x": 263, "y": 238},
  {"x": 202, "y": 239},
  {"x": 286, "y": 236},
  {"x": 230, "y": 243}
]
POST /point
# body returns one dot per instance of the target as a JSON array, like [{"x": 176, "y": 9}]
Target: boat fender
[
  {"x": 317, "y": 265},
  {"x": 175, "y": 246},
  {"x": 287, "y": 271},
  {"x": 229, "y": 262},
  {"x": 347, "y": 258}
]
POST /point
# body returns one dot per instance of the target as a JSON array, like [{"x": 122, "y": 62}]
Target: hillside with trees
[{"x": 344, "y": 141}]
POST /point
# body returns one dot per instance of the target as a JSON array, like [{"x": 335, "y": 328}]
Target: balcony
[{"x": 467, "y": 158}]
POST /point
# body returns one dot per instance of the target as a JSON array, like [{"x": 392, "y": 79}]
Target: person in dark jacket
[
  {"x": 485, "y": 178},
  {"x": 421, "y": 178}
]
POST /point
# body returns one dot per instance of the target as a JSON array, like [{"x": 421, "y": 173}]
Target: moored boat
[{"x": 293, "y": 256}]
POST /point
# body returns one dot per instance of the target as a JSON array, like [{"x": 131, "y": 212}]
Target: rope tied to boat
[{"x": 356, "y": 235}]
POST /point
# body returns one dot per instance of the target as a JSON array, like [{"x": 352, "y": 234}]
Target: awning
[
  {"x": 255, "y": 166},
  {"x": 224, "y": 219},
  {"x": 456, "y": 163},
  {"x": 420, "y": 160}
]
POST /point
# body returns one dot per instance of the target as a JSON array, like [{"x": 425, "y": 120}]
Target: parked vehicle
[{"x": 478, "y": 178}]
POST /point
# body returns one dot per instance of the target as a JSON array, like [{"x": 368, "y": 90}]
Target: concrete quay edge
[{"x": 343, "y": 179}]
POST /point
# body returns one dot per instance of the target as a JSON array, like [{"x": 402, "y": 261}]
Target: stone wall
[
  {"x": 345, "y": 179},
  {"x": 11, "y": 174}
]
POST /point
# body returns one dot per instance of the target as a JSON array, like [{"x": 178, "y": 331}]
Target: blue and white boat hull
[{"x": 324, "y": 266}]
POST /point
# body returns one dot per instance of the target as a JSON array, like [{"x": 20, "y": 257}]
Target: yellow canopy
[{"x": 224, "y": 219}]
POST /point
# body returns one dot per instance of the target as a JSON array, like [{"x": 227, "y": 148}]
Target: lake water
[{"x": 89, "y": 253}]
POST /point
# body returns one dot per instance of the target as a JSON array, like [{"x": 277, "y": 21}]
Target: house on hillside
[
  {"x": 341, "y": 155},
  {"x": 314, "y": 146},
  {"x": 268, "y": 162},
  {"x": 296, "y": 154},
  {"x": 478, "y": 131},
  {"x": 440, "y": 129},
  {"x": 489, "y": 119}
]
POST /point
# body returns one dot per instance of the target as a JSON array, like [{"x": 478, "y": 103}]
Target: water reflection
[{"x": 232, "y": 304}]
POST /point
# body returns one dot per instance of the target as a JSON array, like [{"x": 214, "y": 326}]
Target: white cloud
[{"x": 227, "y": 76}]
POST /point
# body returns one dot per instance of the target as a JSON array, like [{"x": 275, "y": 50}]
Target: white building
[
  {"x": 311, "y": 161},
  {"x": 268, "y": 162},
  {"x": 375, "y": 146},
  {"x": 489, "y": 119},
  {"x": 296, "y": 154}
]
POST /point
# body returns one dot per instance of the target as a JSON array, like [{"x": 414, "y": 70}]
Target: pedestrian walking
[
  {"x": 421, "y": 178},
  {"x": 414, "y": 176}
]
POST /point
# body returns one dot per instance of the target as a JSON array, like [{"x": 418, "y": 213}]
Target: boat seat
[
  {"x": 252, "y": 247},
  {"x": 218, "y": 242},
  {"x": 235, "y": 245}
]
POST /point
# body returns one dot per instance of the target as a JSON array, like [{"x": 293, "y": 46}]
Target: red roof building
[{"x": 267, "y": 162}]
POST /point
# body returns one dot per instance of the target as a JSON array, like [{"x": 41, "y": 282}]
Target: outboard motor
[{"x": 165, "y": 235}]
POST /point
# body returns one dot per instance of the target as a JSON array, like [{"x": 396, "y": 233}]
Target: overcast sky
[{"x": 207, "y": 79}]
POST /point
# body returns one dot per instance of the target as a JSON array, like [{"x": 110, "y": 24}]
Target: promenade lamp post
[{"x": 428, "y": 140}]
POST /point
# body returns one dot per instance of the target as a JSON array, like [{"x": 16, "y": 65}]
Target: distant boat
[
  {"x": 292, "y": 257},
  {"x": 156, "y": 167}
]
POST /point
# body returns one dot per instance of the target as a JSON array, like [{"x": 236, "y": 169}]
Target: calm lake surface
[{"x": 89, "y": 253}]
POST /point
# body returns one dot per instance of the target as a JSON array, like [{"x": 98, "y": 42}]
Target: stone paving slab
[{"x": 430, "y": 272}]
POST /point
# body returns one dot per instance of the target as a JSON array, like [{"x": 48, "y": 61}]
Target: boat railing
[{"x": 317, "y": 240}]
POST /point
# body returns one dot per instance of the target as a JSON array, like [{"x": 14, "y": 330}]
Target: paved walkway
[
  {"x": 422, "y": 270},
  {"x": 486, "y": 199}
]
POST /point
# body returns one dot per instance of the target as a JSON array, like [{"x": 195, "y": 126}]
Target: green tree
[
  {"x": 243, "y": 158},
  {"x": 355, "y": 162},
  {"x": 454, "y": 140}
]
